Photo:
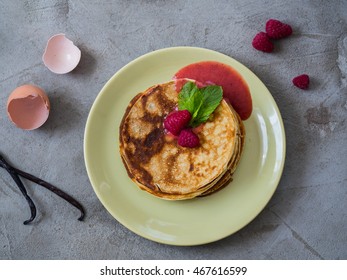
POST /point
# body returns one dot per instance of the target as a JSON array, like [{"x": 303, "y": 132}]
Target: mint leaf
[
  {"x": 199, "y": 102},
  {"x": 189, "y": 97},
  {"x": 212, "y": 96}
]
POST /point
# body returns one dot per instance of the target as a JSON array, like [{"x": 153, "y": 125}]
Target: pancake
[
  {"x": 158, "y": 165},
  {"x": 227, "y": 177}
]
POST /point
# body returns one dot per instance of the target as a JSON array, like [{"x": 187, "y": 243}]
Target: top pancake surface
[{"x": 154, "y": 159}]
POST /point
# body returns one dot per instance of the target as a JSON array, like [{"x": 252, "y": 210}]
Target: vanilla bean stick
[
  {"x": 54, "y": 189},
  {"x": 21, "y": 187},
  {"x": 15, "y": 172}
]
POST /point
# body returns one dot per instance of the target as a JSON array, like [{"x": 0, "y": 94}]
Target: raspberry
[
  {"x": 188, "y": 139},
  {"x": 276, "y": 29},
  {"x": 176, "y": 121},
  {"x": 302, "y": 81},
  {"x": 261, "y": 42}
]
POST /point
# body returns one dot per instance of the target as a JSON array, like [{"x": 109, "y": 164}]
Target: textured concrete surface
[{"x": 305, "y": 219}]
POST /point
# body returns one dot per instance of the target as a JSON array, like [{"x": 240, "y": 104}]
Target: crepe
[{"x": 158, "y": 165}]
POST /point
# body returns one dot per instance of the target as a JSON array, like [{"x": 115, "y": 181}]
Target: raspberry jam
[{"x": 235, "y": 89}]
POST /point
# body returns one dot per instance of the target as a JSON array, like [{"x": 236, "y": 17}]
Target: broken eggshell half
[
  {"x": 61, "y": 56},
  {"x": 28, "y": 107}
]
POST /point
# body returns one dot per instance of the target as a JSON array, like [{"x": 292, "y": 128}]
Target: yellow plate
[{"x": 191, "y": 222}]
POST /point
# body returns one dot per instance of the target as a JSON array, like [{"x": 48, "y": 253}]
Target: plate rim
[{"x": 137, "y": 60}]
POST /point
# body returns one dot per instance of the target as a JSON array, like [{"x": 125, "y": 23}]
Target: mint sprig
[{"x": 201, "y": 103}]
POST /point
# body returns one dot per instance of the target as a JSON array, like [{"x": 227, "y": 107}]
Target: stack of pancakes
[{"x": 158, "y": 165}]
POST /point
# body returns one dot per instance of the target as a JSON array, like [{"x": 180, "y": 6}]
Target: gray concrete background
[{"x": 305, "y": 219}]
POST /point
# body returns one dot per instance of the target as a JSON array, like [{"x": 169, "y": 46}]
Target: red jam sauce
[{"x": 235, "y": 89}]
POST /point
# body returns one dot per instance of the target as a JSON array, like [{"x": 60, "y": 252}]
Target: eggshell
[
  {"x": 61, "y": 55},
  {"x": 28, "y": 107}
]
